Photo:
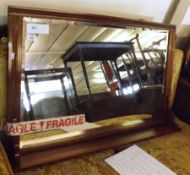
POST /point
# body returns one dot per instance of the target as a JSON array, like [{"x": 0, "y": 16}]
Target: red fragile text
[
  {"x": 43, "y": 125},
  {"x": 65, "y": 122}
]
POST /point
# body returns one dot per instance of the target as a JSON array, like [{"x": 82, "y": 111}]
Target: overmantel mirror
[{"x": 112, "y": 74}]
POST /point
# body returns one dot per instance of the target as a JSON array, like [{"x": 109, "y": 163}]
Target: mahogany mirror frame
[{"x": 92, "y": 140}]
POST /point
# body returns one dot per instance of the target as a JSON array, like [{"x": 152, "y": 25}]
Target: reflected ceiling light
[
  {"x": 67, "y": 81},
  {"x": 45, "y": 86},
  {"x": 133, "y": 122},
  {"x": 50, "y": 66},
  {"x": 124, "y": 56},
  {"x": 90, "y": 63},
  {"x": 36, "y": 98},
  {"x": 117, "y": 93},
  {"x": 112, "y": 35},
  {"x": 121, "y": 37},
  {"x": 153, "y": 36},
  {"x": 123, "y": 74},
  {"x": 28, "y": 19},
  {"x": 98, "y": 75},
  {"x": 125, "y": 91},
  {"x": 99, "y": 81},
  {"x": 136, "y": 87},
  {"x": 24, "y": 96},
  {"x": 131, "y": 72},
  {"x": 96, "y": 67},
  {"x": 128, "y": 90},
  {"x": 115, "y": 80}
]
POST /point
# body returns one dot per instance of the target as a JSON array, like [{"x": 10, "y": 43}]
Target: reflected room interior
[{"x": 115, "y": 76}]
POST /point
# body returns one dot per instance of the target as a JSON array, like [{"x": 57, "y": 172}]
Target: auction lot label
[{"x": 29, "y": 127}]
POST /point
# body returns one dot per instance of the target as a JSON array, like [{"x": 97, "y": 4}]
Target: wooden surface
[
  {"x": 53, "y": 135},
  {"x": 172, "y": 150},
  {"x": 5, "y": 167},
  {"x": 3, "y": 78},
  {"x": 33, "y": 158}
]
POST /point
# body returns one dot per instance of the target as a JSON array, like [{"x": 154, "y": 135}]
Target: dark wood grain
[
  {"x": 80, "y": 148},
  {"x": 14, "y": 81},
  {"x": 93, "y": 19}
]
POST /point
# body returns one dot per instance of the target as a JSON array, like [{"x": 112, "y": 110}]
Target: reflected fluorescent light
[
  {"x": 99, "y": 80},
  {"x": 123, "y": 74},
  {"x": 66, "y": 81},
  {"x": 98, "y": 75},
  {"x": 125, "y": 91},
  {"x": 90, "y": 63},
  {"x": 121, "y": 37},
  {"x": 50, "y": 66},
  {"x": 124, "y": 56},
  {"x": 25, "y": 99},
  {"x": 129, "y": 90},
  {"x": 136, "y": 87},
  {"x": 133, "y": 122},
  {"x": 117, "y": 92},
  {"x": 45, "y": 86},
  {"x": 115, "y": 80},
  {"x": 96, "y": 67},
  {"x": 36, "y": 98},
  {"x": 28, "y": 19},
  {"x": 112, "y": 35}
]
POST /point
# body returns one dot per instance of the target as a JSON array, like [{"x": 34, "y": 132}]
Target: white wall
[{"x": 151, "y": 10}]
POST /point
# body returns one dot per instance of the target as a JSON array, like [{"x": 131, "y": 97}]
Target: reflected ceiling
[{"x": 44, "y": 51}]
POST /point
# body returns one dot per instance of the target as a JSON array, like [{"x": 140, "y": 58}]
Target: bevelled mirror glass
[
  {"x": 80, "y": 83},
  {"x": 114, "y": 75}
]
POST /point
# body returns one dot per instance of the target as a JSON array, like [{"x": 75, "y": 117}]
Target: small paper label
[
  {"x": 31, "y": 37},
  {"x": 37, "y": 28}
]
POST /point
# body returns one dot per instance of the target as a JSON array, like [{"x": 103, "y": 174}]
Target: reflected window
[
  {"x": 44, "y": 89},
  {"x": 47, "y": 93}
]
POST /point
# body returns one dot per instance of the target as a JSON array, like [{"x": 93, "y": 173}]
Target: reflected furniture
[
  {"x": 52, "y": 106},
  {"x": 100, "y": 106},
  {"x": 3, "y": 80}
]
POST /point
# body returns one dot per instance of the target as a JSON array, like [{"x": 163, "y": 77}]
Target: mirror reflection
[{"x": 112, "y": 75}]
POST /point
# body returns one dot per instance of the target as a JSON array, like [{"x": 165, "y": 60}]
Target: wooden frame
[{"x": 92, "y": 140}]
